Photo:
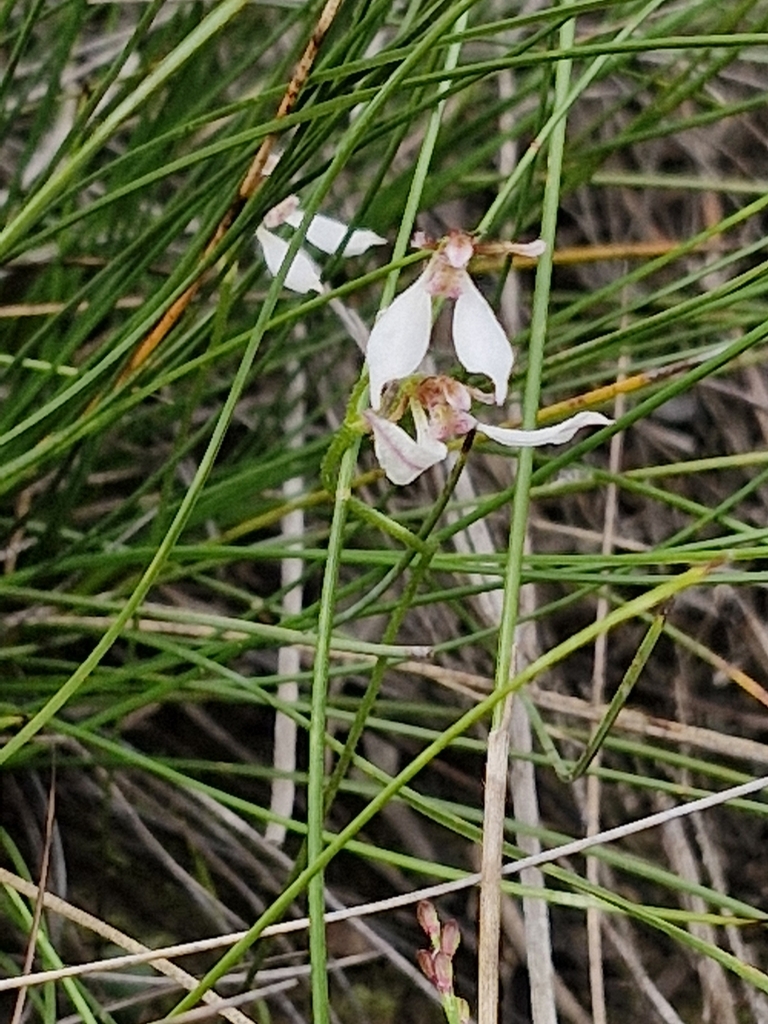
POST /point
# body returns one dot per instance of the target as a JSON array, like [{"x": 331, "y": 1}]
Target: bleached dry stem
[
  {"x": 594, "y": 916},
  {"x": 288, "y": 658}
]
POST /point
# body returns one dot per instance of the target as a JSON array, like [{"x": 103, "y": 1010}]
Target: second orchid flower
[
  {"x": 400, "y": 337},
  {"x": 325, "y": 233},
  {"x": 440, "y": 409}
]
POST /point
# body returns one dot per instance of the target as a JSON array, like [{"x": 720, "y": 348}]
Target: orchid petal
[
  {"x": 479, "y": 339},
  {"x": 402, "y": 458},
  {"x": 399, "y": 339},
  {"x": 328, "y": 234},
  {"x": 360, "y": 241},
  {"x": 303, "y": 274},
  {"x": 458, "y": 250},
  {"x": 287, "y": 211},
  {"x": 530, "y": 249},
  {"x": 293, "y": 216},
  {"x": 557, "y": 434}
]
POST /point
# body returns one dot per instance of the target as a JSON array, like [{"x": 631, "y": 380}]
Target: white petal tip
[
  {"x": 327, "y": 234},
  {"x": 560, "y": 433},
  {"x": 531, "y": 249},
  {"x": 361, "y": 241},
  {"x": 480, "y": 341}
]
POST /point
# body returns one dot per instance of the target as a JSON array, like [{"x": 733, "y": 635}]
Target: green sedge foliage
[{"x": 145, "y": 595}]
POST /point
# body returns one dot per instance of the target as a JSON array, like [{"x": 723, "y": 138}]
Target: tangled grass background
[{"x": 183, "y": 583}]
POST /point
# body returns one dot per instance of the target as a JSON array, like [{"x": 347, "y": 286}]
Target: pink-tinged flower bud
[
  {"x": 445, "y": 276},
  {"x": 447, "y": 403},
  {"x": 426, "y": 963},
  {"x": 459, "y": 249},
  {"x": 450, "y": 938},
  {"x": 443, "y": 970},
  {"x": 427, "y": 917},
  {"x": 433, "y": 392},
  {"x": 282, "y": 213}
]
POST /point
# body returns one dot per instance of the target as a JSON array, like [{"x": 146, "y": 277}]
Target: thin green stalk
[
  {"x": 619, "y": 699},
  {"x": 19, "y": 46},
  {"x": 51, "y": 958},
  {"x": 316, "y": 769},
  {"x": 425, "y": 557},
  {"x": 490, "y": 896},
  {"x": 497, "y": 207},
  {"x": 319, "y": 796}
]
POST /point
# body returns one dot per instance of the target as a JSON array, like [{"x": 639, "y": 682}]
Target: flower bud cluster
[{"x": 436, "y": 963}]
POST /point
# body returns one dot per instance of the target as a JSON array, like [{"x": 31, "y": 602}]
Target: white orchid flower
[
  {"x": 400, "y": 337},
  {"x": 324, "y": 232},
  {"x": 400, "y": 456},
  {"x": 440, "y": 407}
]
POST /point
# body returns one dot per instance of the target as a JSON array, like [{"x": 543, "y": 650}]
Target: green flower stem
[
  {"x": 315, "y": 843},
  {"x": 426, "y": 555},
  {"x": 320, "y": 797}
]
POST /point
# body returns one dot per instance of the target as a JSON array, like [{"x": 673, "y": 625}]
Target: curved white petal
[
  {"x": 558, "y": 434},
  {"x": 402, "y": 458},
  {"x": 399, "y": 339},
  {"x": 303, "y": 275},
  {"x": 479, "y": 339},
  {"x": 327, "y": 234}
]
